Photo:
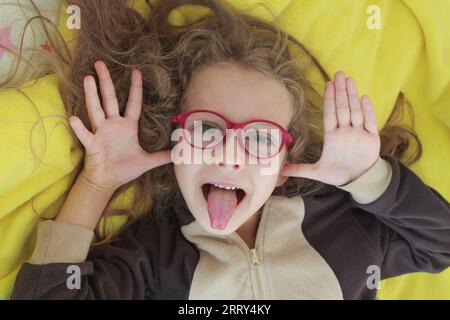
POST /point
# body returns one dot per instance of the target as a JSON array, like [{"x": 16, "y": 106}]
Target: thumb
[
  {"x": 83, "y": 134},
  {"x": 156, "y": 159},
  {"x": 300, "y": 170}
]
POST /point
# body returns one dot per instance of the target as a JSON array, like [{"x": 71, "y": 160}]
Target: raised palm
[
  {"x": 114, "y": 156},
  {"x": 351, "y": 139}
]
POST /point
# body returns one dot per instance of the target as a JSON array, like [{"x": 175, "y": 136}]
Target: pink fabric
[{"x": 5, "y": 40}]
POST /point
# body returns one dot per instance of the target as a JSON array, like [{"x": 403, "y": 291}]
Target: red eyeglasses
[{"x": 261, "y": 138}]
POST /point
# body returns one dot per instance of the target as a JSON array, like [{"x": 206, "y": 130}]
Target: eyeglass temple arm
[
  {"x": 175, "y": 119},
  {"x": 288, "y": 137}
]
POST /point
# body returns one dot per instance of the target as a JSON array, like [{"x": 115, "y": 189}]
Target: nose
[
  {"x": 231, "y": 158},
  {"x": 235, "y": 166},
  {"x": 233, "y": 155}
]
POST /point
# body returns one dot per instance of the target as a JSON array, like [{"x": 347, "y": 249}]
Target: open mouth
[
  {"x": 222, "y": 201},
  {"x": 240, "y": 193}
]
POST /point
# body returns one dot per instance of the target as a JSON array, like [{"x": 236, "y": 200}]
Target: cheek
[
  {"x": 272, "y": 166},
  {"x": 265, "y": 183},
  {"x": 264, "y": 188},
  {"x": 184, "y": 174}
]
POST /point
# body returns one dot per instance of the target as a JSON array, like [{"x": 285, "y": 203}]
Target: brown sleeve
[
  {"x": 414, "y": 230},
  {"x": 61, "y": 242},
  {"x": 121, "y": 270}
]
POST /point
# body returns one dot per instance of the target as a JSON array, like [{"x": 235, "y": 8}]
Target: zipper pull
[{"x": 255, "y": 260}]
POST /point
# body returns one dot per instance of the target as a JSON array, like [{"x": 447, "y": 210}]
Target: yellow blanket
[{"x": 387, "y": 46}]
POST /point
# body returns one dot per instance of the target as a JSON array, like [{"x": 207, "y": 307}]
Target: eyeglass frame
[{"x": 286, "y": 136}]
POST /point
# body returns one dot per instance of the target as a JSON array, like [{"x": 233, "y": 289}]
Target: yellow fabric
[
  {"x": 411, "y": 53},
  {"x": 37, "y": 161}
]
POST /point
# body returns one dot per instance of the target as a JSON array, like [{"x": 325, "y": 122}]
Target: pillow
[
  {"x": 37, "y": 163},
  {"x": 14, "y": 16}
]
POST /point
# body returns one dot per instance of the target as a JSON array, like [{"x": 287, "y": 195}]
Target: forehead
[{"x": 239, "y": 93}]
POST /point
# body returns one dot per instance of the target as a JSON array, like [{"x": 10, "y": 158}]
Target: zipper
[{"x": 256, "y": 263}]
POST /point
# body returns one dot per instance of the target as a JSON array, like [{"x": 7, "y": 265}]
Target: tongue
[{"x": 221, "y": 205}]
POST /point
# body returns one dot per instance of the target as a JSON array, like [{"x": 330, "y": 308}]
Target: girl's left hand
[{"x": 351, "y": 139}]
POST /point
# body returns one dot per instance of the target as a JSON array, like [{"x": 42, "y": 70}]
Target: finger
[
  {"x": 356, "y": 115},
  {"x": 83, "y": 134},
  {"x": 95, "y": 111},
  {"x": 134, "y": 104},
  {"x": 329, "y": 108},
  {"x": 300, "y": 170},
  {"x": 157, "y": 159},
  {"x": 109, "y": 98},
  {"x": 343, "y": 111},
  {"x": 370, "y": 121}
]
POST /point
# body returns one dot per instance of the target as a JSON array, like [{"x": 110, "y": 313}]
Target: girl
[{"x": 337, "y": 211}]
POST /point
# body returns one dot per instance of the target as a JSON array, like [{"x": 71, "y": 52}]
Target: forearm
[
  {"x": 119, "y": 270},
  {"x": 65, "y": 243},
  {"x": 391, "y": 190},
  {"x": 85, "y": 203},
  {"x": 413, "y": 229}
]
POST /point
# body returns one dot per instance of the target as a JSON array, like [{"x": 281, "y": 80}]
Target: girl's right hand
[{"x": 113, "y": 154}]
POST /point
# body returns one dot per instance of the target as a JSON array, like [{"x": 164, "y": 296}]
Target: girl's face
[{"x": 240, "y": 94}]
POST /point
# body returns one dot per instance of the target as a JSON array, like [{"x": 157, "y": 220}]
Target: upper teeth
[{"x": 223, "y": 187}]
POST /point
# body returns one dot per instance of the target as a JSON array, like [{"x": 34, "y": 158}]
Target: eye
[
  {"x": 259, "y": 138},
  {"x": 262, "y": 142},
  {"x": 203, "y": 126},
  {"x": 209, "y": 126}
]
